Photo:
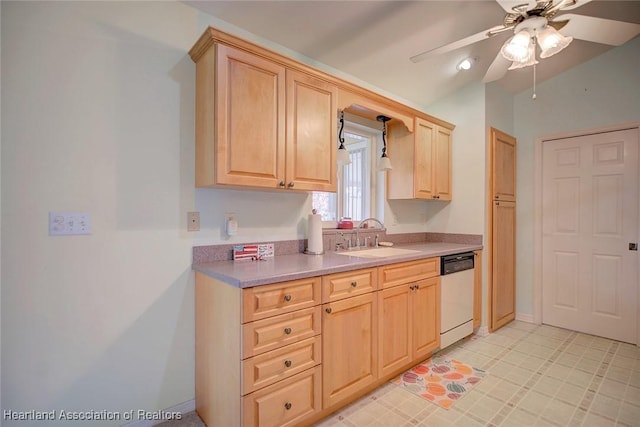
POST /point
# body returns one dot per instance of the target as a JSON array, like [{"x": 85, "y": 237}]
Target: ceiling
[{"x": 373, "y": 40}]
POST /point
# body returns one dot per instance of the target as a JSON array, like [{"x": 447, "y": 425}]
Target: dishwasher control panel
[{"x": 458, "y": 262}]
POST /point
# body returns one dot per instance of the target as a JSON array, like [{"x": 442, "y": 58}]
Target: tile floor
[{"x": 538, "y": 376}]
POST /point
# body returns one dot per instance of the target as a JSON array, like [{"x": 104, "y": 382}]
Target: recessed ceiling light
[{"x": 465, "y": 64}]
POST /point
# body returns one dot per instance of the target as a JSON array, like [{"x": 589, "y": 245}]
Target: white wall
[
  {"x": 601, "y": 92},
  {"x": 465, "y": 212},
  {"x": 98, "y": 115},
  {"x": 0, "y": 215}
]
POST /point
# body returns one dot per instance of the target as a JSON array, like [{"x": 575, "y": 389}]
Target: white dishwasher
[{"x": 456, "y": 297}]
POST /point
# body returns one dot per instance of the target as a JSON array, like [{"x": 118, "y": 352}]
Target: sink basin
[{"x": 378, "y": 252}]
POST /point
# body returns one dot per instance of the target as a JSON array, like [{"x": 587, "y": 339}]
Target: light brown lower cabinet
[
  {"x": 349, "y": 347},
  {"x": 291, "y": 353},
  {"x": 286, "y": 403},
  {"x": 408, "y": 323},
  {"x": 503, "y": 264}
]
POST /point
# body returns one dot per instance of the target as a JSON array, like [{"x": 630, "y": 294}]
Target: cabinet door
[
  {"x": 394, "y": 329},
  {"x": 504, "y": 166},
  {"x": 424, "y": 185},
  {"x": 442, "y": 164},
  {"x": 250, "y": 119},
  {"x": 311, "y": 133},
  {"x": 425, "y": 322},
  {"x": 349, "y": 347},
  {"x": 503, "y": 281}
]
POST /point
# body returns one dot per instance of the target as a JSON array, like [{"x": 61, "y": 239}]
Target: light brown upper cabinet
[
  {"x": 259, "y": 124},
  {"x": 311, "y": 133},
  {"x": 504, "y": 166},
  {"x": 267, "y": 121},
  {"x": 421, "y": 161}
]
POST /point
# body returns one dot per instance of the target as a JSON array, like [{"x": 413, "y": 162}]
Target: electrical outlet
[
  {"x": 69, "y": 223},
  {"x": 193, "y": 221}
]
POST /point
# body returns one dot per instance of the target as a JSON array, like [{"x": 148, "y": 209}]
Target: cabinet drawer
[
  {"x": 349, "y": 284},
  {"x": 406, "y": 272},
  {"x": 285, "y": 403},
  {"x": 268, "y": 334},
  {"x": 268, "y": 368},
  {"x": 261, "y": 302}
]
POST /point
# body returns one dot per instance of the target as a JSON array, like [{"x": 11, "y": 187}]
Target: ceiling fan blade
[
  {"x": 460, "y": 43},
  {"x": 598, "y": 30},
  {"x": 558, "y": 25},
  {"x": 497, "y": 69},
  {"x": 508, "y": 5},
  {"x": 577, "y": 3}
]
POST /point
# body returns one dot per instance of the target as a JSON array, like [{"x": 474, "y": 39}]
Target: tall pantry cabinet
[{"x": 502, "y": 228}]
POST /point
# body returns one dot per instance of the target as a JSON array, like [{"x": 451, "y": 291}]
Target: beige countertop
[{"x": 245, "y": 274}]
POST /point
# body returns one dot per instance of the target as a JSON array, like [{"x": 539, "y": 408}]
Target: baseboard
[
  {"x": 165, "y": 414},
  {"x": 525, "y": 318},
  {"x": 482, "y": 331}
]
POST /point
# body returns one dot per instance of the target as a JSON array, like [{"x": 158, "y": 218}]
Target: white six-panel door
[{"x": 589, "y": 218}]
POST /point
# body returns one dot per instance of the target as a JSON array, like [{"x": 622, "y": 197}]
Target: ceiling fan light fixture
[
  {"x": 552, "y": 42},
  {"x": 529, "y": 60},
  {"x": 516, "y": 49}
]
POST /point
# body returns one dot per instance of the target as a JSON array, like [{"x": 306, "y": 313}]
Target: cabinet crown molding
[{"x": 356, "y": 98}]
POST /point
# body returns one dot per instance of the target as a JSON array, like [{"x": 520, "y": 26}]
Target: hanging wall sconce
[
  {"x": 343, "y": 154},
  {"x": 384, "y": 163}
]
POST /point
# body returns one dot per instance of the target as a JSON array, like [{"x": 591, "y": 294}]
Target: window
[{"x": 357, "y": 181}]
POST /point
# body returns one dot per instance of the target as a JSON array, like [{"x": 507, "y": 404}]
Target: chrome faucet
[{"x": 364, "y": 221}]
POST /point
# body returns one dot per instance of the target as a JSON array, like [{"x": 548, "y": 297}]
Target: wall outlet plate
[{"x": 193, "y": 221}]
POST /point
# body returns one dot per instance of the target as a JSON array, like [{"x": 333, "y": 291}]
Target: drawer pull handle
[
  {"x": 287, "y": 298},
  {"x": 287, "y": 363},
  {"x": 354, "y": 284},
  {"x": 287, "y": 406},
  {"x": 287, "y": 331},
  {"x": 328, "y": 310}
]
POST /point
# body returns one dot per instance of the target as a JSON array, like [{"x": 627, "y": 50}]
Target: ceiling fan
[{"x": 534, "y": 22}]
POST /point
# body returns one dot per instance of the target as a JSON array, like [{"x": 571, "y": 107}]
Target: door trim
[{"x": 537, "y": 213}]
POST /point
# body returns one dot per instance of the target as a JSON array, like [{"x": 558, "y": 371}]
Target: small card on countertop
[{"x": 253, "y": 252}]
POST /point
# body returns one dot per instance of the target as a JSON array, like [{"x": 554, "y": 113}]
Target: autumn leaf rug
[{"x": 440, "y": 380}]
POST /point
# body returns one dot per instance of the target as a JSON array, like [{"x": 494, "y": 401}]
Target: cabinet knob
[
  {"x": 287, "y": 406},
  {"x": 291, "y": 184},
  {"x": 354, "y": 284},
  {"x": 328, "y": 310},
  {"x": 497, "y": 196},
  {"x": 287, "y": 331},
  {"x": 281, "y": 184},
  {"x": 287, "y": 298},
  {"x": 287, "y": 363}
]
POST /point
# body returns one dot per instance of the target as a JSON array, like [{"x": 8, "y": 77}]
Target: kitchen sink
[{"x": 378, "y": 252}]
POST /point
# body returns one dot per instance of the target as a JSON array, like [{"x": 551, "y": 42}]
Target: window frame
[{"x": 374, "y": 177}]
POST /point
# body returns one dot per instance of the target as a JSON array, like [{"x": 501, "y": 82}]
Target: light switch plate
[{"x": 69, "y": 223}]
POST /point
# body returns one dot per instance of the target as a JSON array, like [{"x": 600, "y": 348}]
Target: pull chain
[
  {"x": 535, "y": 38},
  {"x": 534, "y": 81}
]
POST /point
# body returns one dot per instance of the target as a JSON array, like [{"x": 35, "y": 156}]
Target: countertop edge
[{"x": 217, "y": 269}]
